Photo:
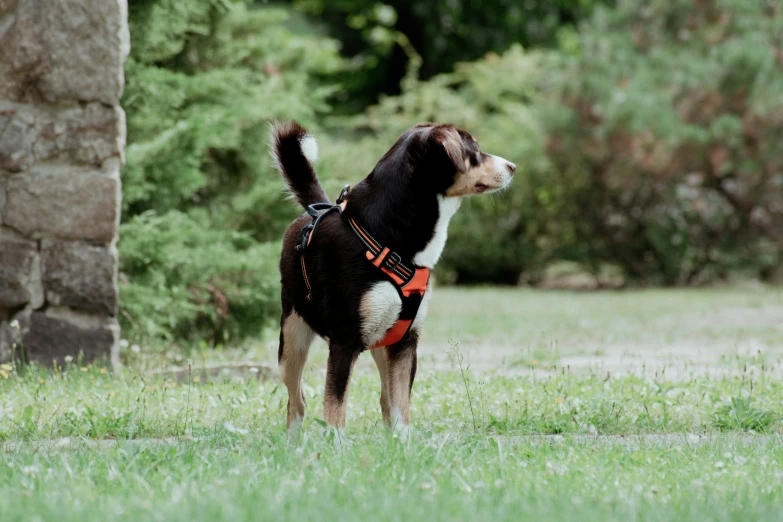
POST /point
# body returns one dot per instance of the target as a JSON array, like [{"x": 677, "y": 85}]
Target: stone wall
[{"x": 62, "y": 134}]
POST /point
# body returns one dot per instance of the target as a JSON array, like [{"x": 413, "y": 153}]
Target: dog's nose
[{"x": 511, "y": 168}]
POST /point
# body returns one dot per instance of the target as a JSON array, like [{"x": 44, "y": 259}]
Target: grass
[
  {"x": 502, "y": 444},
  {"x": 436, "y": 477}
]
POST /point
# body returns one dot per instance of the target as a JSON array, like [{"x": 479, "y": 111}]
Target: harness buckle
[
  {"x": 393, "y": 259},
  {"x": 343, "y": 194},
  {"x": 304, "y": 235}
]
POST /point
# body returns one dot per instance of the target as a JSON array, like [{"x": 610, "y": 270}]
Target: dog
[{"x": 345, "y": 279}]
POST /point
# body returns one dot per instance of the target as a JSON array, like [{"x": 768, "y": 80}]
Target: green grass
[
  {"x": 436, "y": 477},
  {"x": 540, "y": 441},
  {"x": 75, "y": 403}
]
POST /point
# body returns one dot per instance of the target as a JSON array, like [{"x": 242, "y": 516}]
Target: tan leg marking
[
  {"x": 296, "y": 337},
  {"x": 381, "y": 358},
  {"x": 400, "y": 389}
]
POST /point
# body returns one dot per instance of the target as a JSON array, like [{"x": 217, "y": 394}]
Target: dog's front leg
[
  {"x": 402, "y": 360},
  {"x": 338, "y": 377},
  {"x": 381, "y": 357}
]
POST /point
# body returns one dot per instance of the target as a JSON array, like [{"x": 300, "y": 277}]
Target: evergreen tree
[{"x": 202, "y": 205}]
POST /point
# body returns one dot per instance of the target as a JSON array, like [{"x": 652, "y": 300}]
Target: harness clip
[
  {"x": 343, "y": 194},
  {"x": 393, "y": 259},
  {"x": 305, "y": 234}
]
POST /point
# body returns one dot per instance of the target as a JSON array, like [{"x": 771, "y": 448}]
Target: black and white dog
[{"x": 349, "y": 280}]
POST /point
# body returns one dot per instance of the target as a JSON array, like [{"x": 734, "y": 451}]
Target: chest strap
[{"x": 410, "y": 281}]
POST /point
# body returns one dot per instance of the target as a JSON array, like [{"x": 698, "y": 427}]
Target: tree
[
  {"x": 380, "y": 38},
  {"x": 665, "y": 137},
  {"x": 202, "y": 206}
]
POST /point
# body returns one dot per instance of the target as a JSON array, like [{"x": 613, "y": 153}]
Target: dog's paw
[
  {"x": 294, "y": 432},
  {"x": 402, "y": 432},
  {"x": 399, "y": 431}
]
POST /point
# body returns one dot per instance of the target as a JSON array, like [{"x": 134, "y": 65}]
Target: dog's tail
[{"x": 294, "y": 150}]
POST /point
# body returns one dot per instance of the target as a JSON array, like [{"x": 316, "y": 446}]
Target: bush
[
  {"x": 190, "y": 282},
  {"x": 381, "y": 37},
  {"x": 200, "y": 197},
  {"x": 664, "y": 140}
]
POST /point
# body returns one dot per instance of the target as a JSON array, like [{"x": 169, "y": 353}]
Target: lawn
[{"x": 643, "y": 405}]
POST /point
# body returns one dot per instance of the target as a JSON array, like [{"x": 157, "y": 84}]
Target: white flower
[
  {"x": 136, "y": 348},
  {"x": 68, "y": 358},
  {"x": 123, "y": 343},
  {"x": 15, "y": 324}
]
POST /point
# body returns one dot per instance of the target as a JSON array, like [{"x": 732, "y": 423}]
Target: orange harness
[{"x": 410, "y": 282}]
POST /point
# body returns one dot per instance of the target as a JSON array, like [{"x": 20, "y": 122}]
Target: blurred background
[{"x": 646, "y": 135}]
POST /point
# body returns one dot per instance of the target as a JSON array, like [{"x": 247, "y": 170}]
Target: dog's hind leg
[
  {"x": 402, "y": 362},
  {"x": 338, "y": 377},
  {"x": 295, "y": 339},
  {"x": 382, "y": 362}
]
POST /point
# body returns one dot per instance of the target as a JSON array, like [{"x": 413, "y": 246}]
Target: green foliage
[
  {"x": 187, "y": 280},
  {"x": 664, "y": 140},
  {"x": 381, "y": 37},
  {"x": 739, "y": 414},
  {"x": 200, "y": 196}
]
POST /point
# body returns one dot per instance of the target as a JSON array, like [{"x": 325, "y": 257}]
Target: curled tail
[{"x": 294, "y": 150}]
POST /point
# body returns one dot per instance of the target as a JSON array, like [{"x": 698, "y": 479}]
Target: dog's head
[{"x": 448, "y": 161}]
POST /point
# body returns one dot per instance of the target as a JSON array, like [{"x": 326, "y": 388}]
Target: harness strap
[
  {"x": 410, "y": 282},
  {"x": 307, "y": 234}
]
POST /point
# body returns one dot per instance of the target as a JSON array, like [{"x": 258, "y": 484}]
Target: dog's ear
[{"x": 448, "y": 139}]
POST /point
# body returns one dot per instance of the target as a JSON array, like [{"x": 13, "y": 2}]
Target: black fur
[{"x": 295, "y": 168}]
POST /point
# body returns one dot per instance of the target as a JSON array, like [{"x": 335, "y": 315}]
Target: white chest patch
[
  {"x": 379, "y": 309},
  {"x": 424, "y": 307},
  {"x": 432, "y": 251}
]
